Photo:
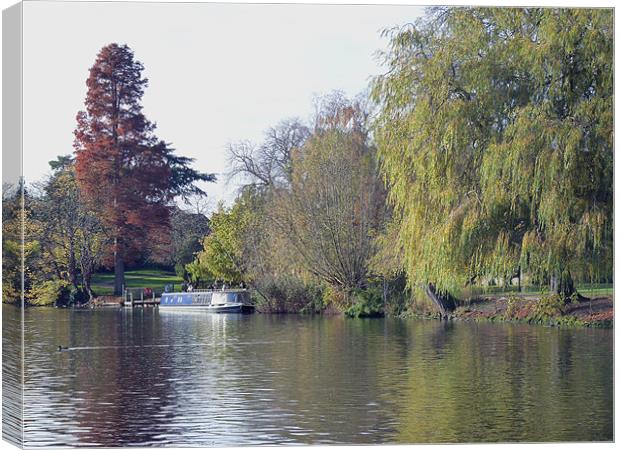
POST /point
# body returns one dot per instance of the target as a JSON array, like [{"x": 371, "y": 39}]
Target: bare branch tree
[{"x": 268, "y": 164}]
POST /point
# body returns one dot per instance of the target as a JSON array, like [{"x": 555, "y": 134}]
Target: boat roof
[{"x": 207, "y": 291}]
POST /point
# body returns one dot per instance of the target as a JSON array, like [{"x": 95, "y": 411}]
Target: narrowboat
[{"x": 217, "y": 301}]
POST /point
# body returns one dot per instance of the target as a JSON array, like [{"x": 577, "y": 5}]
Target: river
[{"x": 160, "y": 378}]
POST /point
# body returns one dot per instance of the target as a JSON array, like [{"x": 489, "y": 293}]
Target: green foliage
[
  {"x": 222, "y": 254},
  {"x": 571, "y": 322},
  {"x": 23, "y": 267},
  {"x": 188, "y": 231},
  {"x": 71, "y": 237},
  {"x": 495, "y": 139},
  {"x": 547, "y": 307},
  {"x": 512, "y": 307},
  {"x": 366, "y": 303},
  {"x": 53, "y": 292},
  {"x": 11, "y": 249},
  {"x": 62, "y": 241}
]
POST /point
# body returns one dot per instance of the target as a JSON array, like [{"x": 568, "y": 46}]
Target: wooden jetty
[{"x": 133, "y": 298}]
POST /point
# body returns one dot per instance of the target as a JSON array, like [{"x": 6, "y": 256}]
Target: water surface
[{"x": 159, "y": 378}]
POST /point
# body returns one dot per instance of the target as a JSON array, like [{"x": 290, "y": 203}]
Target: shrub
[
  {"x": 52, "y": 292},
  {"x": 366, "y": 303},
  {"x": 289, "y": 294},
  {"x": 549, "y": 306},
  {"x": 512, "y": 307}
]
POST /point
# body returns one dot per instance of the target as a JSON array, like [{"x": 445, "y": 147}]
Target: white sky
[{"x": 218, "y": 73}]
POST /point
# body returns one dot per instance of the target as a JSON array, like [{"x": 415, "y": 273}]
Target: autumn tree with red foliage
[{"x": 128, "y": 175}]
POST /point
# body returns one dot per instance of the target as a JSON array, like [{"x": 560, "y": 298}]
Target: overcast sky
[{"x": 218, "y": 73}]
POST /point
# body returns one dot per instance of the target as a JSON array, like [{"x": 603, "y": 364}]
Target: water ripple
[{"x": 147, "y": 378}]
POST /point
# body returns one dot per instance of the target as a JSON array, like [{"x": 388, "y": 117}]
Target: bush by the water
[
  {"x": 549, "y": 306},
  {"x": 513, "y": 306},
  {"x": 289, "y": 294},
  {"x": 57, "y": 293},
  {"x": 366, "y": 303}
]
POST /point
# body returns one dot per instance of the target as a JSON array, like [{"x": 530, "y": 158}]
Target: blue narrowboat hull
[{"x": 212, "y": 301}]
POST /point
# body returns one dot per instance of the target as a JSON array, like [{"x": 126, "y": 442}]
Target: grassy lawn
[
  {"x": 596, "y": 290},
  {"x": 103, "y": 282},
  {"x": 585, "y": 289}
]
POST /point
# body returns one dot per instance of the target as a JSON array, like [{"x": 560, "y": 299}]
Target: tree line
[{"x": 483, "y": 154}]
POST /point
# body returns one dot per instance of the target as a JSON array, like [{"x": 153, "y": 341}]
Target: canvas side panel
[{"x": 12, "y": 241}]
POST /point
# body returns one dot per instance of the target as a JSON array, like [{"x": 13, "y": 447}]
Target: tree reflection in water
[{"x": 152, "y": 378}]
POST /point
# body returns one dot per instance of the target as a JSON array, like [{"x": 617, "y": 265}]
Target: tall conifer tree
[{"x": 127, "y": 174}]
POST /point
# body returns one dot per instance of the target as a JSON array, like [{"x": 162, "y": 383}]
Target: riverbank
[{"x": 597, "y": 312}]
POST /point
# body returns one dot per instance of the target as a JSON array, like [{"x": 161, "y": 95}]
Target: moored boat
[{"x": 217, "y": 301}]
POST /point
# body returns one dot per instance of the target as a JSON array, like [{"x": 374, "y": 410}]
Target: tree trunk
[
  {"x": 88, "y": 290},
  {"x": 385, "y": 293},
  {"x": 119, "y": 269},
  {"x": 72, "y": 267},
  {"x": 561, "y": 283},
  {"x": 445, "y": 303}
]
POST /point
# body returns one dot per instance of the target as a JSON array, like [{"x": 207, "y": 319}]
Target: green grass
[
  {"x": 585, "y": 289},
  {"x": 103, "y": 282},
  {"x": 595, "y": 290}
]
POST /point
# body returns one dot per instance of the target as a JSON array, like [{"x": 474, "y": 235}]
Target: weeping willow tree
[{"x": 495, "y": 139}]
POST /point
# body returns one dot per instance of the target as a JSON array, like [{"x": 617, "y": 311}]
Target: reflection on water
[
  {"x": 149, "y": 377},
  {"x": 12, "y": 376}
]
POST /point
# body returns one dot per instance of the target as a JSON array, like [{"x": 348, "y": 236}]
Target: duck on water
[{"x": 218, "y": 301}]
